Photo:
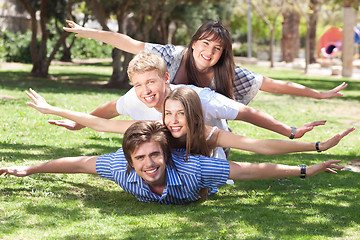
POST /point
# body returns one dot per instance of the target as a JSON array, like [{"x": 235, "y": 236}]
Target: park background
[{"x": 81, "y": 74}]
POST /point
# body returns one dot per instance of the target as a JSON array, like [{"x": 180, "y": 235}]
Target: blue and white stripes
[{"x": 183, "y": 181}]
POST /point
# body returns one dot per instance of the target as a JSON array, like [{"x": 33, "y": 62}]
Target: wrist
[
  {"x": 292, "y": 133},
  {"x": 302, "y": 170}
]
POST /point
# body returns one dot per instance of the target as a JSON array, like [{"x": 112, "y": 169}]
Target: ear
[
  {"x": 167, "y": 78},
  {"x": 192, "y": 45}
]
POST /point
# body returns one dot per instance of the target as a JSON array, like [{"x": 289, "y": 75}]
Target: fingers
[
  {"x": 346, "y": 132},
  {"x": 340, "y": 87},
  {"x": 318, "y": 123}
]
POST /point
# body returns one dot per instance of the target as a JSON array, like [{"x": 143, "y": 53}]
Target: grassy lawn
[{"x": 58, "y": 206}]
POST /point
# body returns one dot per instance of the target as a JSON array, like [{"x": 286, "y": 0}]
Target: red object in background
[{"x": 330, "y": 43}]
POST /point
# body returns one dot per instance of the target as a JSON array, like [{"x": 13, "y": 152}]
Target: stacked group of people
[{"x": 173, "y": 149}]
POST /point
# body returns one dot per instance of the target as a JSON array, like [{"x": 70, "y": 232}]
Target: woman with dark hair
[{"x": 207, "y": 62}]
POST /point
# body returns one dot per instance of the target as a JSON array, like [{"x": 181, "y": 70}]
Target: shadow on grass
[
  {"x": 310, "y": 207},
  {"x": 69, "y": 83},
  {"x": 21, "y": 152}
]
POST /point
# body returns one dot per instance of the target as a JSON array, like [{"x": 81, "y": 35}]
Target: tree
[
  {"x": 48, "y": 9},
  {"x": 290, "y": 41},
  {"x": 278, "y": 9},
  {"x": 348, "y": 36}
]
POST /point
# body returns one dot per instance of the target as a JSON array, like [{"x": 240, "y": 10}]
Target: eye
[
  {"x": 218, "y": 48},
  {"x": 155, "y": 154},
  {"x": 167, "y": 113},
  {"x": 205, "y": 42},
  {"x": 181, "y": 113}
]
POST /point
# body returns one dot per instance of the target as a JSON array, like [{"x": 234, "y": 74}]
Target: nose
[
  {"x": 174, "y": 118},
  {"x": 149, "y": 162},
  {"x": 146, "y": 89}
]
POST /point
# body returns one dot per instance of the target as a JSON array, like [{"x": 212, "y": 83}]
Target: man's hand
[
  {"x": 328, "y": 166},
  {"x": 335, "y": 92},
  {"x": 307, "y": 127},
  {"x": 325, "y": 145},
  {"x": 68, "y": 124},
  {"x": 16, "y": 171}
]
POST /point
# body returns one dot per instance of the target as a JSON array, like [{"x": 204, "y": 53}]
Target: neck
[
  {"x": 157, "y": 189},
  {"x": 167, "y": 92}
]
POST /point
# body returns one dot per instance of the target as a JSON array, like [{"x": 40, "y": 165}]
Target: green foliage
[
  {"x": 16, "y": 47},
  {"x": 87, "y": 48}
]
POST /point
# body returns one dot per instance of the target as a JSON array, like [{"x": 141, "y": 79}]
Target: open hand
[
  {"x": 16, "y": 171},
  {"x": 75, "y": 28},
  {"x": 39, "y": 103},
  {"x": 68, "y": 124},
  {"x": 334, "y": 140},
  {"x": 335, "y": 92},
  {"x": 328, "y": 166},
  {"x": 307, "y": 127}
]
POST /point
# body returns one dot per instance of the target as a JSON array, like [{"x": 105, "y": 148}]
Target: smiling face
[
  {"x": 149, "y": 163},
  {"x": 175, "y": 118},
  {"x": 206, "y": 52},
  {"x": 151, "y": 88}
]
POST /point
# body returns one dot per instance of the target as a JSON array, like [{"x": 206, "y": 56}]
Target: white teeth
[
  {"x": 206, "y": 58},
  {"x": 149, "y": 98},
  {"x": 151, "y": 171},
  {"x": 175, "y": 128}
]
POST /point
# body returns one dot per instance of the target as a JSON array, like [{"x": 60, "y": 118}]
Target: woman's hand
[{"x": 39, "y": 103}]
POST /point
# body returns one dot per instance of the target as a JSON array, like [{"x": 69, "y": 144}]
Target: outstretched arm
[
  {"x": 264, "y": 120},
  {"x": 254, "y": 171},
  {"x": 87, "y": 120},
  {"x": 274, "y": 146},
  {"x": 118, "y": 40},
  {"x": 81, "y": 164},
  {"x": 283, "y": 87}
]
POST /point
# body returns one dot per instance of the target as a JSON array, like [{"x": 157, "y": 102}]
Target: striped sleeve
[
  {"x": 104, "y": 166},
  {"x": 214, "y": 171}
]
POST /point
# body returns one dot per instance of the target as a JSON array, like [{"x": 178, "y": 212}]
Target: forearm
[
  {"x": 274, "y": 146},
  {"x": 263, "y": 120},
  {"x": 284, "y": 87},
  {"x": 107, "y": 110},
  {"x": 81, "y": 164},
  {"x": 253, "y": 171},
  {"x": 118, "y": 40},
  {"x": 94, "y": 122}
]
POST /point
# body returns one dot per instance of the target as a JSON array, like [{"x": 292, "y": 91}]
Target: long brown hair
[
  {"x": 195, "y": 138},
  {"x": 224, "y": 69}
]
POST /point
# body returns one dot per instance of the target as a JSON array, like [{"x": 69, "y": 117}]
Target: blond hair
[{"x": 146, "y": 61}]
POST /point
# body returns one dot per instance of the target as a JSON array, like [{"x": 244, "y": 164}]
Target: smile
[
  {"x": 206, "y": 58},
  {"x": 151, "y": 171},
  {"x": 175, "y": 129},
  {"x": 149, "y": 99}
]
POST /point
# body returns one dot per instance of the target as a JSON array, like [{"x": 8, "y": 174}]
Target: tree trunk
[
  {"x": 290, "y": 41},
  {"x": 348, "y": 41},
  {"x": 314, "y": 7}
]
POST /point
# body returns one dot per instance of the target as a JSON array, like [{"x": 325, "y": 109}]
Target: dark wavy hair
[
  {"x": 224, "y": 69},
  {"x": 146, "y": 131}
]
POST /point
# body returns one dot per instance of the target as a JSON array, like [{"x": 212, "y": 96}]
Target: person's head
[
  {"x": 183, "y": 116},
  {"x": 147, "y": 150},
  {"x": 211, "y": 47},
  {"x": 148, "y": 74}
]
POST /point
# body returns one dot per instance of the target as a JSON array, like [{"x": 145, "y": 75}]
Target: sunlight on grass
[{"x": 59, "y": 206}]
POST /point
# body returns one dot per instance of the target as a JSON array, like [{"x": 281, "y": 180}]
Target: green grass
[{"x": 59, "y": 206}]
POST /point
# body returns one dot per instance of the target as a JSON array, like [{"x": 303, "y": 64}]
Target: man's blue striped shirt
[{"x": 183, "y": 181}]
